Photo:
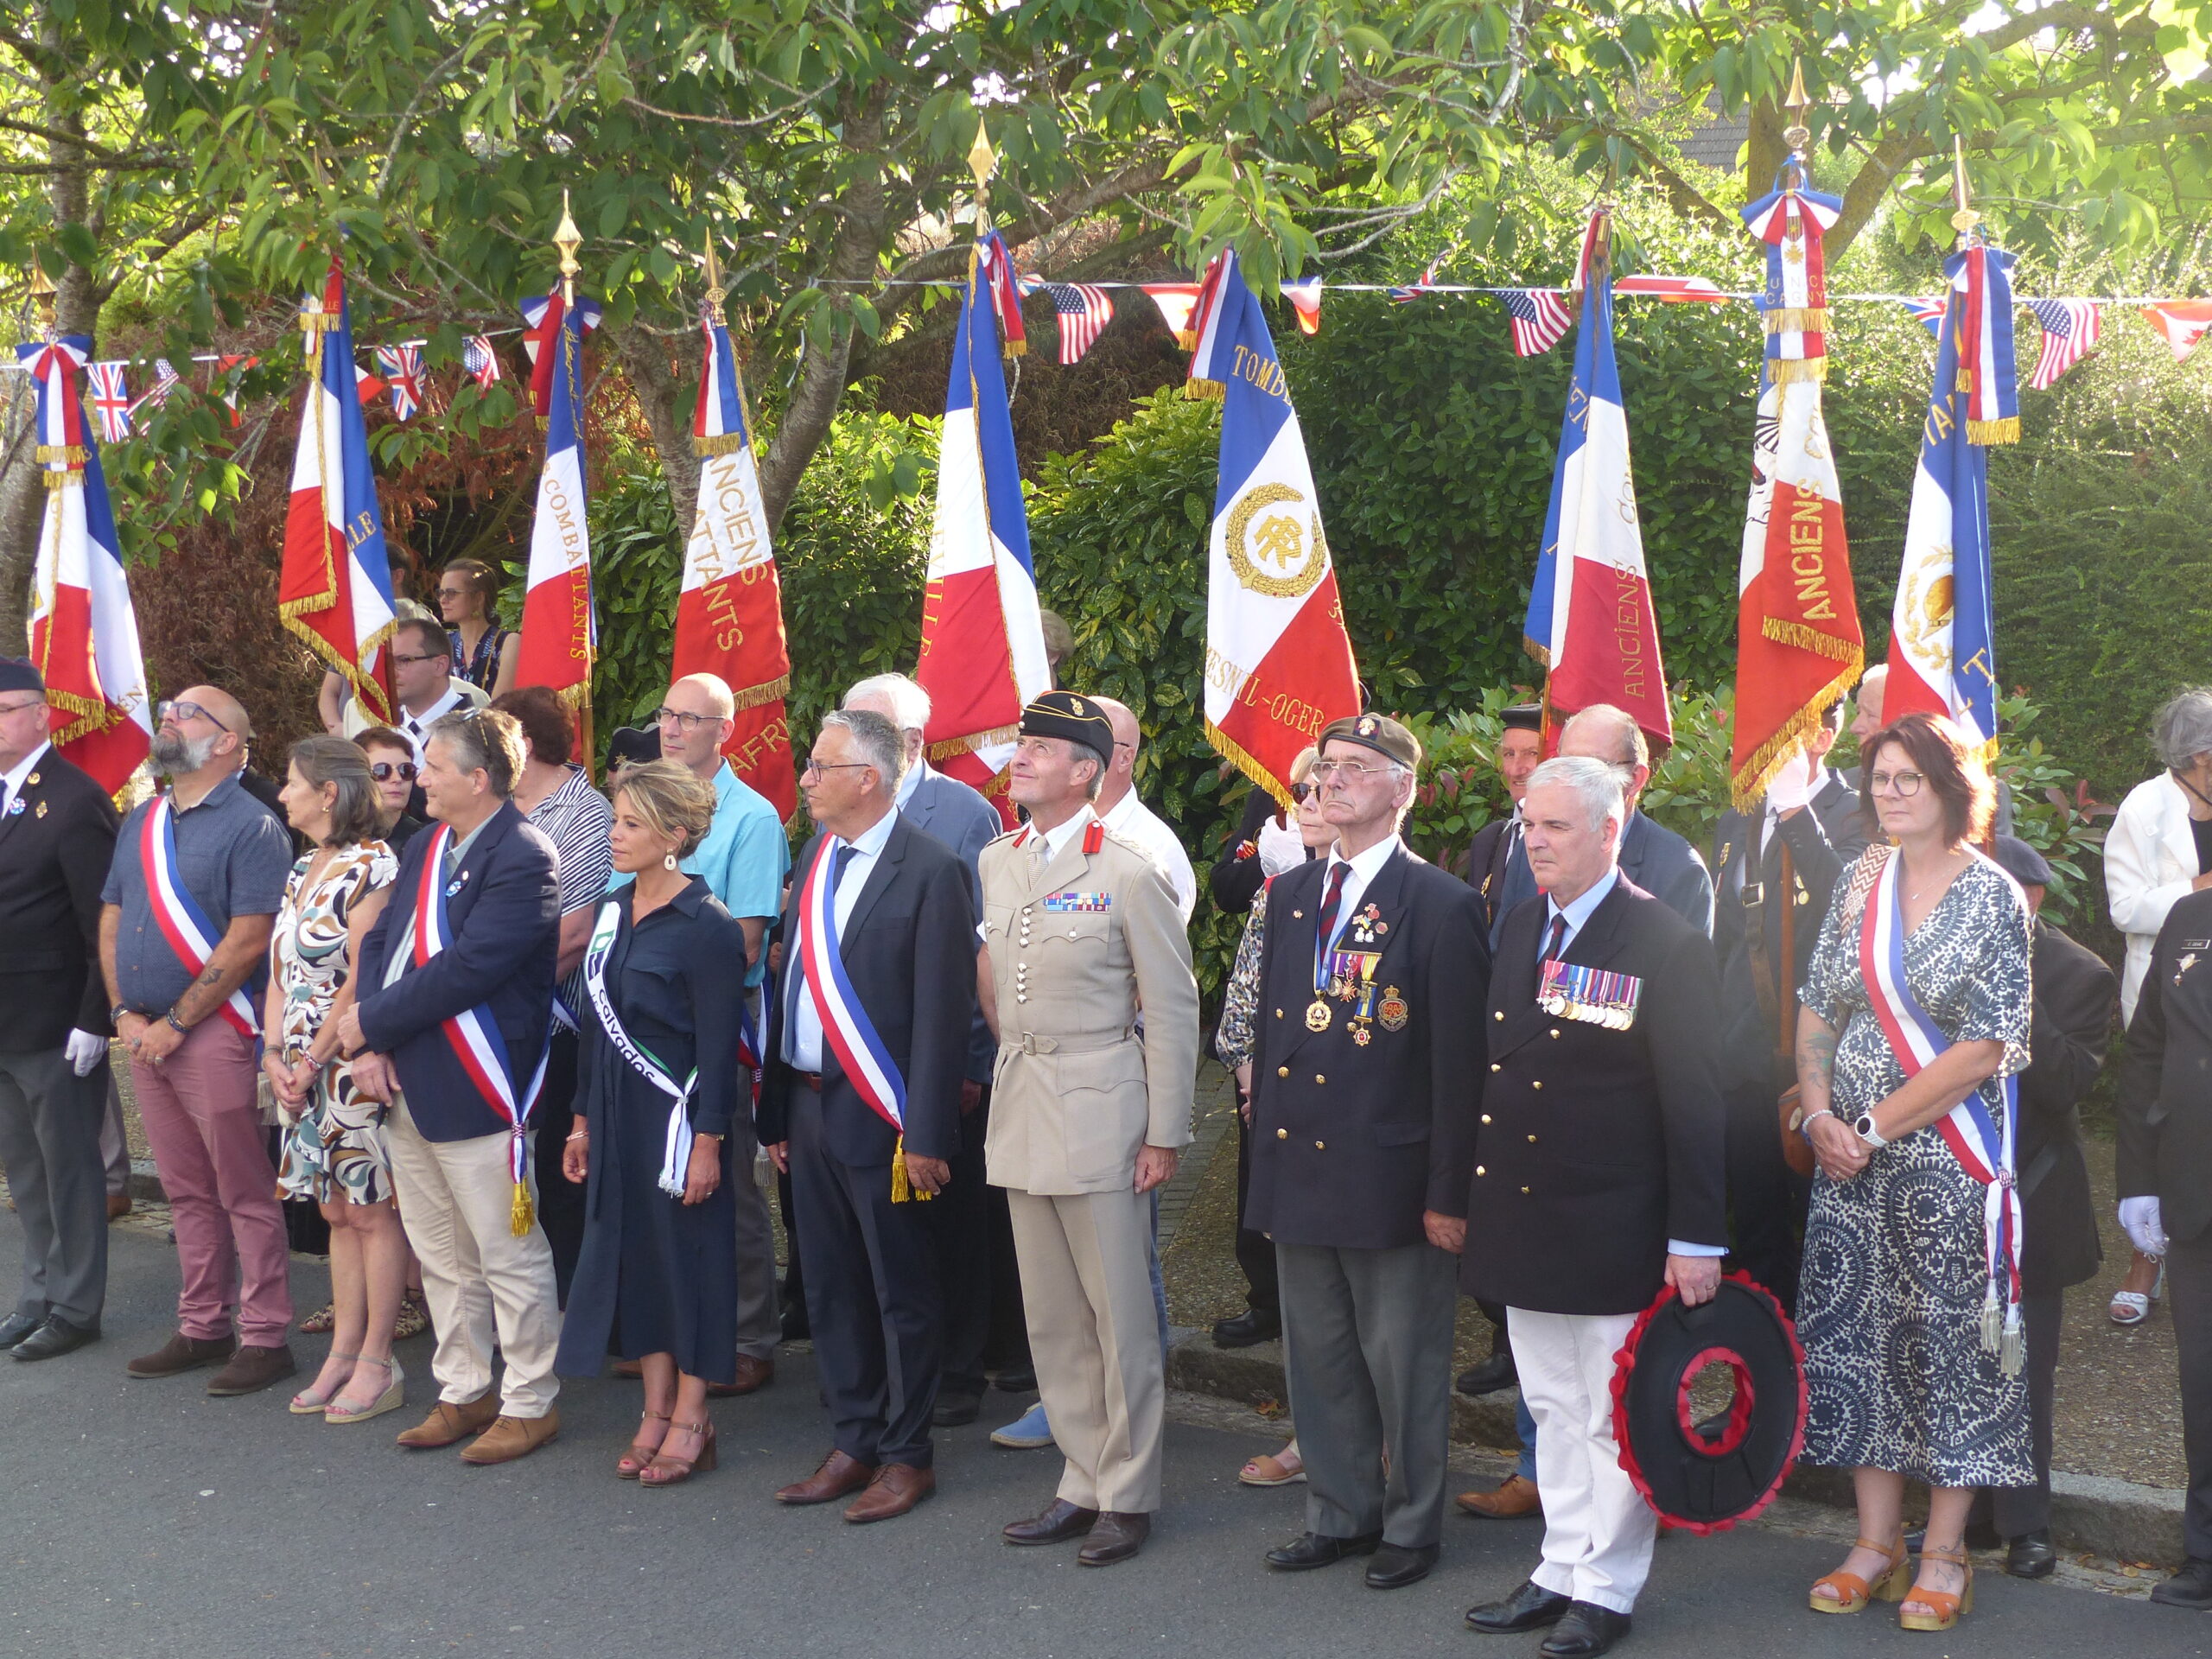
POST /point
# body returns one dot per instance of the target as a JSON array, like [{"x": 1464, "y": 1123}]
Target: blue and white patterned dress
[{"x": 1890, "y": 1301}]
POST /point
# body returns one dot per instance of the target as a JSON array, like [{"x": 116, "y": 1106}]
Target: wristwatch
[{"x": 1865, "y": 1131}]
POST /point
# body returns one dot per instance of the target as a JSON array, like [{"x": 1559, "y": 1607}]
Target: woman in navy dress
[{"x": 657, "y": 1280}]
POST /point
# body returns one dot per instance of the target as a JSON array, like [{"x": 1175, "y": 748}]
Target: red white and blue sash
[
  {"x": 1968, "y": 1130},
  {"x": 845, "y": 1025},
  {"x": 473, "y": 1032},
  {"x": 191, "y": 934}
]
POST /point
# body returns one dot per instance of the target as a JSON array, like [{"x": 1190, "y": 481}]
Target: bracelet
[
  {"x": 175, "y": 1025},
  {"x": 579, "y": 1134}
]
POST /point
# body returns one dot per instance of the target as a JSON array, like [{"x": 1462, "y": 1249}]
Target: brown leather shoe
[
  {"x": 118, "y": 1205},
  {"x": 449, "y": 1424},
  {"x": 752, "y": 1375},
  {"x": 1511, "y": 1500},
  {"x": 895, "y": 1490},
  {"x": 1056, "y": 1525},
  {"x": 251, "y": 1369},
  {"x": 1116, "y": 1538},
  {"x": 181, "y": 1353},
  {"x": 509, "y": 1438},
  {"x": 838, "y": 1476}
]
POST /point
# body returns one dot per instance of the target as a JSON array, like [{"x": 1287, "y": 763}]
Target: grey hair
[
  {"x": 1634, "y": 748},
  {"x": 2182, "y": 729},
  {"x": 1596, "y": 782},
  {"x": 909, "y": 700},
  {"x": 482, "y": 739},
  {"x": 880, "y": 742}
]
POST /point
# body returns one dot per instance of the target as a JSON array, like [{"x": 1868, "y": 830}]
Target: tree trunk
[{"x": 645, "y": 366}]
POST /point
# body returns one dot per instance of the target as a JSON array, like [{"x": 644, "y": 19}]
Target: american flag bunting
[
  {"x": 478, "y": 359},
  {"x": 1541, "y": 318},
  {"x": 2070, "y": 328}
]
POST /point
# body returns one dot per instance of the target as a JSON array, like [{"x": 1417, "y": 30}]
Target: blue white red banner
[
  {"x": 190, "y": 933},
  {"x": 852, "y": 1036},
  {"x": 559, "y": 625}
]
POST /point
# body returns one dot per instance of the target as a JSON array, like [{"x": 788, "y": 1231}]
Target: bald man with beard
[{"x": 187, "y": 1021}]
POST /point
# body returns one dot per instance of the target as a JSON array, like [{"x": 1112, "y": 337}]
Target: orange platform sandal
[
  {"x": 1846, "y": 1592},
  {"x": 1949, "y": 1607}
]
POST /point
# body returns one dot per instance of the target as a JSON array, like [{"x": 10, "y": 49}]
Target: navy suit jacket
[
  {"x": 1667, "y": 868},
  {"x": 505, "y": 918},
  {"x": 950, "y": 813},
  {"x": 54, "y": 861},
  {"x": 909, "y": 949}
]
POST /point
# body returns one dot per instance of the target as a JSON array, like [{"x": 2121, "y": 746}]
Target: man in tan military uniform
[{"x": 1080, "y": 931}]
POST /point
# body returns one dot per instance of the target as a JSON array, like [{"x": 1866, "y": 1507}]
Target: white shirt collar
[
  {"x": 870, "y": 841},
  {"x": 11, "y": 782},
  {"x": 1056, "y": 841},
  {"x": 444, "y": 706},
  {"x": 1578, "y": 913},
  {"x": 1367, "y": 865}
]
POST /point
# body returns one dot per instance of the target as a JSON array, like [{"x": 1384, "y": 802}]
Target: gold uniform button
[
  {"x": 1555, "y": 1031},
  {"x": 1278, "y": 1013},
  {"x": 1485, "y": 1117},
  {"x": 1282, "y": 1070},
  {"x": 1532, "y": 1140},
  {"x": 1524, "y": 1189},
  {"x": 1319, "y": 1146},
  {"x": 1495, "y": 1066},
  {"x": 1479, "y": 1170},
  {"x": 1497, "y": 1016},
  {"x": 1318, "y": 1078},
  {"x": 1537, "y": 1084},
  {"x": 1282, "y": 1135}
]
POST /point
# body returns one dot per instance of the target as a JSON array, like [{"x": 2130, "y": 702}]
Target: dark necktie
[
  {"x": 1555, "y": 941},
  {"x": 845, "y": 854},
  {"x": 1329, "y": 902}
]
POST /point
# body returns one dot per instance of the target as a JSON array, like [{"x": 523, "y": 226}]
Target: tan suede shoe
[
  {"x": 449, "y": 1424},
  {"x": 1515, "y": 1497},
  {"x": 509, "y": 1438}
]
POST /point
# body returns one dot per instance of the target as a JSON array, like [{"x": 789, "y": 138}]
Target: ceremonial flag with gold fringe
[
  {"x": 84, "y": 631},
  {"x": 1793, "y": 223},
  {"x": 334, "y": 593},
  {"x": 560, "y": 629},
  {"x": 1278, "y": 664},
  {"x": 729, "y": 616}
]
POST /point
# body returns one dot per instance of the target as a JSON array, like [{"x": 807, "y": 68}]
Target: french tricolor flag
[
  {"x": 560, "y": 630},
  {"x": 84, "y": 631},
  {"x": 1278, "y": 664},
  {"x": 1591, "y": 621},
  {"x": 983, "y": 655},
  {"x": 335, "y": 591}
]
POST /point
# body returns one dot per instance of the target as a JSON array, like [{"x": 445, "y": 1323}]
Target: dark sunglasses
[
  {"x": 383, "y": 770},
  {"x": 1299, "y": 793}
]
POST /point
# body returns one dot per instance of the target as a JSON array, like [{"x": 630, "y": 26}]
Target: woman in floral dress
[{"x": 334, "y": 1149}]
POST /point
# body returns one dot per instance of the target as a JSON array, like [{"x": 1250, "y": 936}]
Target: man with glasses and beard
[
  {"x": 422, "y": 681},
  {"x": 198, "y": 878}
]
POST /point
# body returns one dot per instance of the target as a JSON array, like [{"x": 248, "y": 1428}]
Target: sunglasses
[
  {"x": 1300, "y": 793},
  {"x": 383, "y": 770}
]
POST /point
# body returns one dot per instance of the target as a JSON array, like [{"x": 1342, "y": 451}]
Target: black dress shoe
[
  {"x": 2031, "y": 1555},
  {"x": 1117, "y": 1536},
  {"x": 1528, "y": 1608},
  {"x": 1490, "y": 1375},
  {"x": 1585, "y": 1630},
  {"x": 1062, "y": 1522},
  {"x": 54, "y": 1339},
  {"x": 1312, "y": 1550},
  {"x": 795, "y": 1326},
  {"x": 1016, "y": 1379},
  {"x": 2191, "y": 1587},
  {"x": 1253, "y": 1325},
  {"x": 16, "y": 1326},
  {"x": 1396, "y": 1566},
  {"x": 955, "y": 1408}
]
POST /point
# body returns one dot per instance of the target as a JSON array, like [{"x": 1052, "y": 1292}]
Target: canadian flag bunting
[
  {"x": 2181, "y": 323},
  {"x": 1305, "y": 297}
]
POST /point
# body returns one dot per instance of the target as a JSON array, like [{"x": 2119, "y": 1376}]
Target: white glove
[
  {"x": 84, "y": 1051},
  {"x": 1796, "y": 784},
  {"x": 2138, "y": 1219},
  {"x": 1281, "y": 849}
]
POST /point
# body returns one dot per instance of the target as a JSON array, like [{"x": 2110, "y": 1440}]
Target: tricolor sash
[
  {"x": 183, "y": 924},
  {"x": 676, "y": 1144},
  {"x": 846, "y": 1027},
  {"x": 1968, "y": 1130},
  {"x": 474, "y": 1034}
]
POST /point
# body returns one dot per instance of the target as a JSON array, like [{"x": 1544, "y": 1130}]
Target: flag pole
[{"x": 568, "y": 238}]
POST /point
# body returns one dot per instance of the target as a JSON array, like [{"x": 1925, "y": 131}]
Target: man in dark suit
[
  {"x": 1651, "y": 857},
  {"x": 2165, "y": 1190},
  {"x": 1783, "y": 859},
  {"x": 1598, "y": 1179},
  {"x": 1496, "y": 864},
  {"x": 425, "y": 1028},
  {"x": 902, "y": 925},
  {"x": 968, "y": 1224},
  {"x": 57, "y": 834},
  {"x": 1366, "y": 1078}
]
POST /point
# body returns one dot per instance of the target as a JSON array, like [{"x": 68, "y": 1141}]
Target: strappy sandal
[
  {"x": 1275, "y": 1469},
  {"x": 639, "y": 1454},
  {"x": 307, "y": 1403},
  {"x": 393, "y": 1397},
  {"x": 2133, "y": 1306},
  {"x": 1949, "y": 1607},
  {"x": 323, "y": 1320},
  {"x": 667, "y": 1471},
  {"x": 1846, "y": 1592}
]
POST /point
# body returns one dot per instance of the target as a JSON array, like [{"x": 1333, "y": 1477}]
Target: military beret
[
  {"x": 2022, "y": 862},
  {"x": 1377, "y": 732},
  {"x": 1525, "y": 717},
  {"x": 20, "y": 674},
  {"x": 631, "y": 743},
  {"x": 1073, "y": 717}
]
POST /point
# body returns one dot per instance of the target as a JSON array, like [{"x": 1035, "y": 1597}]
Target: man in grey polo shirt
[{"x": 183, "y": 955}]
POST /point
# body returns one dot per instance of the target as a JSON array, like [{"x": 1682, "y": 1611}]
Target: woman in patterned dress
[
  {"x": 334, "y": 1146},
  {"x": 1903, "y": 1378}
]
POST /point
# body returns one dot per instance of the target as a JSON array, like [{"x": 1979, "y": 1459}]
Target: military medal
[
  {"x": 41, "y": 810},
  {"x": 1392, "y": 1010},
  {"x": 1361, "y": 1035},
  {"x": 1317, "y": 1016},
  {"x": 1590, "y": 995}
]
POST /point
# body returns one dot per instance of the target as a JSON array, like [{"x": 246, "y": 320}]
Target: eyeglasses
[
  {"x": 438, "y": 656},
  {"x": 814, "y": 768},
  {"x": 1352, "y": 771},
  {"x": 1300, "y": 793},
  {"x": 452, "y": 592},
  {"x": 681, "y": 721},
  {"x": 383, "y": 770},
  {"x": 18, "y": 708},
  {"x": 1905, "y": 783},
  {"x": 180, "y": 712}
]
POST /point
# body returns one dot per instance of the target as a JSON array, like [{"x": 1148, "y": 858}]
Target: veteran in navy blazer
[
  {"x": 1649, "y": 855},
  {"x": 904, "y": 932},
  {"x": 499, "y": 881},
  {"x": 1597, "y": 1178}
]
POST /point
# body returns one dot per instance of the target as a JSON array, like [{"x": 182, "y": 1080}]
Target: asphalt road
[{"x": 144, "y": 1520}]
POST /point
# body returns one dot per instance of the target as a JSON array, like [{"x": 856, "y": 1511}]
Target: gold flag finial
[
  {"x": 1965, "y": 218},
  {"x": 1797, "y": 134},
  {"x": 715, "y": 293},
  {"x": 568, "y": 238},
  {"x": 42, "y": 293},
  {"x": 982, "y": 161}
]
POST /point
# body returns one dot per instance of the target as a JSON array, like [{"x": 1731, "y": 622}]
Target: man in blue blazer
[
  {"x": 976, "y": 1276},
  {"x": 443, "y": 1039},
  {"x": 896, "y": 959},
  {"x": 1653, "y": 858}
]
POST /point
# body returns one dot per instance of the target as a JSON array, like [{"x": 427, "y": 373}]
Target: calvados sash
[
  {"x": 1968, "y": 1130},
  {"x": 676, "y": 1144},
  {"x": 845, "y": 1025},
  {"x": 474, "y": 1034},
  {"x": 191, "y": 934}
]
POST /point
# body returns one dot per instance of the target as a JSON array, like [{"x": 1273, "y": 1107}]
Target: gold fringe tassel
[
  {"x": 1541, "y": 653},
  {"x": 1797, "y": 319},
  {"x": 366, "y": 691},
  {"x": 1187, "y": 338},
  {"x": 1204, "y": 391},
  {"x": 1797, "y": 371},
  {"x": 1811, "y": 639},
  {"x": 754, "y": 697},
  {"x": 86, "y": 716},
  {"x": 2004, "y": 431},
  {"x": 958, "y": 746},
  {"x": 1017, "y": 348},
  {"x": 522, "y": 1216},
  {"x": 1239, "y": 756},
  {"x": 722, "y": 444},
  {"x": 73, "y": 454},
  {"x": 71, "y": 480},
  {"x": 1747, "y": 787}
]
